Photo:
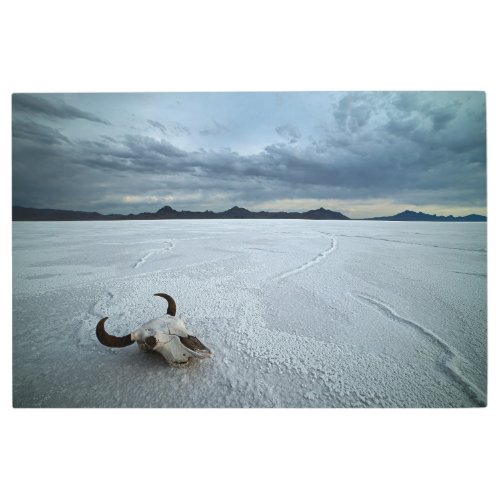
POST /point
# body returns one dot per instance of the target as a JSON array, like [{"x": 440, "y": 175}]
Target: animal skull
[{"x": 167, "y": 335}]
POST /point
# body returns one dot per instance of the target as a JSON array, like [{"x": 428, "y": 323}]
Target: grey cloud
[
  {"x": 143, "y": 148},
  {"x": 375, "y": 171},
  {"x": 352, "y": 112},
  {"x": 108, "y": 138},
  {"x": 289, "y": 132},
  {"x": 407, "y": 102},
  {"x": 402, "y": 127},
  {"x": 442, "y": 124},
  {"x": 441, "y": 118},
  {"x": 158, "y": 126},
  {"x": 44, "y": 177},
  {"x": 55, "y": 108},
  {"x": 439, "y": 108},
  {"x": 133, "y": 153},
  {"x": 32, "y": 131},
  {"x": 173, "y": 129}
]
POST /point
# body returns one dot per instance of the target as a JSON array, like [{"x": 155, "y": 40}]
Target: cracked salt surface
[
  {"x": 451, "y": 357},
  {"x": 297, "y": 313}
]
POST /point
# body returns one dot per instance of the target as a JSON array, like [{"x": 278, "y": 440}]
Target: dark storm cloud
[
  {"x": 439, "y": 113},
  {"x": 55, "y": 108},
  {"x": 116, "y": 158},
  {"x": 143, "y": 147},
  {"x": 433, "y": 126},
  {"x": 441, "y": 118},
  {"x": 377, "y": 170},
  {"x": 35, "y": 132},
  {"x": 43, "y": 177}
]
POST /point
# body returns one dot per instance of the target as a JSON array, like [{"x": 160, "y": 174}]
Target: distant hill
[
  {"x": 21, "y": 213},
  {"x": 237, "y": 213},
  {"x": 408, "y": 215},
  {"x": 167, "y": 212},
  {"x": 324, "y": 214}
]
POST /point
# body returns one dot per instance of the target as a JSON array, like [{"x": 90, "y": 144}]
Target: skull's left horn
[
  {"x": 172, "y": 308},
  {"x": 110, "y": 340}
]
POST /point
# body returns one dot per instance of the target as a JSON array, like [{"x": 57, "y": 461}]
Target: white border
[{"x": 56, "y": 46}]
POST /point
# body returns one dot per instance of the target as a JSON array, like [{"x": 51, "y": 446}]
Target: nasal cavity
[{"x": 150, "y": 341}]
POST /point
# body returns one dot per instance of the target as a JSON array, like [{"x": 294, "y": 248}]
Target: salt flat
[{"x": 298, "y": 313}]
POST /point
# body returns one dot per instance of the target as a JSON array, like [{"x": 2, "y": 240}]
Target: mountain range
[
  {"x": 167, "y": 212},
  {"x": 408, "y": 215}
]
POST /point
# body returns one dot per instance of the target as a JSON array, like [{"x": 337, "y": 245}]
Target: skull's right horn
[{"x": 110, "y": 340}]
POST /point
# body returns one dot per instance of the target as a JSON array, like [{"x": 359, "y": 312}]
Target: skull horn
[
  {"x": 110, "y": 340},
  {"x": 171, "y": 303}
]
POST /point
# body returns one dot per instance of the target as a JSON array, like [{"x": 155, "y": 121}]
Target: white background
[{"x": 57, "y": 46}]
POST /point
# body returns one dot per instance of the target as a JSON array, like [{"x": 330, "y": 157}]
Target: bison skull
[{"x": 167, "y": 335}]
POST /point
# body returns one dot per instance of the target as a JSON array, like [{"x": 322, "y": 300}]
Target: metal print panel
[{"x": 309, "y": 249}]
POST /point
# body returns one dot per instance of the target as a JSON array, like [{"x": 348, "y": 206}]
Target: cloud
[
  {"x": 177, "y": 129},
  {"x": 289, "y": 132},
  {"x": 399, "y": 171},
  {"x": 173, "y": 129},
  {"x": 353, "y": 111},
  {"x": 214, "y": 128},
  {"x": 438, "y": 108},
  {"x": 441, "y": 118},
  {"x": 373, "y": 171},
  {"x": 158, "y": 126},
  {"x": 54, "y": 108},
  {"x": 35, "y": 132},
  {"x": 419, "y": 149}
]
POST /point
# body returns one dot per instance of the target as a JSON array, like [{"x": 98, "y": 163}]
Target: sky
[{"x": 365, "y": 154}]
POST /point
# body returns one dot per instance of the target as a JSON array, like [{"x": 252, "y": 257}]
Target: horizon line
[{"x": 248, "y": 210}]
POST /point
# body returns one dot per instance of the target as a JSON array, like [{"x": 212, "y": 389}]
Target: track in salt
[
  {"x": 481, "y": 275},
  {"x": 93, "y": 309},
  {"x": 481, "y": 250},
  {"x": 309, "y": 263},
  {"x": 168, "y": 248},
  {"x": 446, "y": 364}
]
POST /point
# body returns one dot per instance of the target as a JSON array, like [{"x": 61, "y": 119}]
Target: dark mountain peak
[
  {"x": 166, "y": 210},
  {"x": 409, "y": 215},
  {"x": 323, "y": 213},
  {"x": 237, "y": 212},
  {"x": 473, "y": 218},
  {"x": 236, "y": 208}
]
